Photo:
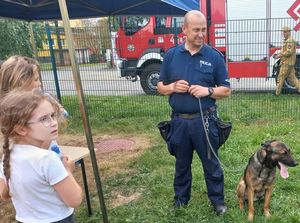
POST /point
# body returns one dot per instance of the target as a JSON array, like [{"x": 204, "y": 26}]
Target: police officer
[
  {"x": 287, "y": 57},
  {"x": 193, "y": 71}
]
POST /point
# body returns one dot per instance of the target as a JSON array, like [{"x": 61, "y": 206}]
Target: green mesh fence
[{"x": 108, "y": 95}]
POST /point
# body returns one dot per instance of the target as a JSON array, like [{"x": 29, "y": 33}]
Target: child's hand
[
  {"x": 68, "y": 163},
  {"x": 4, "y": 195}
]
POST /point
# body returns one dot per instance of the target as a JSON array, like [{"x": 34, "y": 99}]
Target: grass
[{"x": 255, "y": 118}]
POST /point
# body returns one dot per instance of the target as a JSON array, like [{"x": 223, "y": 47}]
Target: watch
[{"x": 210, "y": 91}]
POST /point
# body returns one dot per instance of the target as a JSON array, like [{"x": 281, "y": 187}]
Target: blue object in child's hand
[{"x": 56, "y": 149}]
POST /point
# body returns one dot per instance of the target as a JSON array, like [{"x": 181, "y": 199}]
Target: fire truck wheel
[{"x": 149, "y": 78}]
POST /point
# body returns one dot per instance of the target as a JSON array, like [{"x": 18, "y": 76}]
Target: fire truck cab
[{"x": 141, "y": 43}]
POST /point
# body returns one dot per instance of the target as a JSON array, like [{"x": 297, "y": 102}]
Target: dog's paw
[
  {"x": 267, "y": 213},
  {"x": 250, "y": 217},
  {"x": 241, "y": 206}
]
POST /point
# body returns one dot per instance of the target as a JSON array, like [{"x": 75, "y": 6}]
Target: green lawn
[{"x": 255, "y": 119}]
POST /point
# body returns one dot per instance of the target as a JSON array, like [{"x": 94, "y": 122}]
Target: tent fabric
[{"x": 31, "y": 10}]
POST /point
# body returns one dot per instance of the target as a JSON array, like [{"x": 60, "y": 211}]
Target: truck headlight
[{"x": 130, "y": 47}]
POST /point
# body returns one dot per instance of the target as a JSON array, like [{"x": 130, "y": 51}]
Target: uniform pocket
[
  {"x": 204, "y": 69},
  {"x": 204, "y": 75}
]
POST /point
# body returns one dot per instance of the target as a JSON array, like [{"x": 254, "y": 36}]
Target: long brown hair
[
  {"x": 17, "y": 72},
  {"x": 15, "y": 110}
]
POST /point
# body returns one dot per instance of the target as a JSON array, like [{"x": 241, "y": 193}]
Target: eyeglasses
[{"x": 46, "y": 120}]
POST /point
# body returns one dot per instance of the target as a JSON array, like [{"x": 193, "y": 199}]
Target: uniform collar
[{"x": 200, "y": 52}]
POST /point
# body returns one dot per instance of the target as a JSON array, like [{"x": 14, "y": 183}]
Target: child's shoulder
[{"x": 33, "y": 153}]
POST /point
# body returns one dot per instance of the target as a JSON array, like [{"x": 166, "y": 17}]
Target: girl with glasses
[
  {"x": 41, "y": 186},
  {"x": 21, "y": 73}
]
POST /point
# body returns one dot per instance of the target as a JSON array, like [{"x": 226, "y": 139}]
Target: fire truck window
[
  {"x": 135, "y": 23},
  {"x": 161, "y": 26},
  {"x": 161, "y": 22},
  {"x": 179, "y": 21}
]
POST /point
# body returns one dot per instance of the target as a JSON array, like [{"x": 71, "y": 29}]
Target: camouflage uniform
[{"x": 287, "y": 64}]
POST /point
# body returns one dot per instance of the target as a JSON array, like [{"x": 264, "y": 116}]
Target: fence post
[{"x": 50, "y": 44}]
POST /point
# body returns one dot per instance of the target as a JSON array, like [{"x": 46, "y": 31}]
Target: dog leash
[{"x": 209, "y": 148}]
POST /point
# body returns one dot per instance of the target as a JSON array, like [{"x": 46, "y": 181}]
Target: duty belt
[{"x": 194, "y": 115}]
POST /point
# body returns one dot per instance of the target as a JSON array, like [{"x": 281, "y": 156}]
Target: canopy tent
[{"x": 31, "y": 10}]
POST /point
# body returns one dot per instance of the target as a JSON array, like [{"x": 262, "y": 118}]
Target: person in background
[
  {"x": 40, "y": 184},
  {"x": 194, "y": 73},
  {"x": 287, "y": 58},
  {"x": 19, "y": 72}
]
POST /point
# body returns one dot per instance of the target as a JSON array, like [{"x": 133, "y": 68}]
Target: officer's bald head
[{"x": 193, "y": 14}]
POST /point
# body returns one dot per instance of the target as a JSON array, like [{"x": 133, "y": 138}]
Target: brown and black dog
[{"x": 259, "y": 175}]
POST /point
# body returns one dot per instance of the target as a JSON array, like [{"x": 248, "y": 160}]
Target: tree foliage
[
  {"x": 94, "y": 34},
  {"x": 15, "y": 37}
]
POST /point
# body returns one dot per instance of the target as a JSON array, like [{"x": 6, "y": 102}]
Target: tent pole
[
  {"x": 84, "y": 114},
  {"x": 32, "y": 41}
]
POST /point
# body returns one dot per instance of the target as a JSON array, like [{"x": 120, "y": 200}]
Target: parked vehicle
[{"x": 248, "y": 33}]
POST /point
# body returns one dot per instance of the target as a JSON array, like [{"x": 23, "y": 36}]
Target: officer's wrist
[
  {"x": 173, "y": 86},
  {"x": 210, "y": 91}
]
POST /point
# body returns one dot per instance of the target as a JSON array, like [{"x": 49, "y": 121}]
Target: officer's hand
[
  {"x": 180, "y": 86},
  {"x": 198, "y": 91}
]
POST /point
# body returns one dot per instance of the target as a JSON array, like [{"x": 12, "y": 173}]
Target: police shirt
[{"x": 206, "y": 68}]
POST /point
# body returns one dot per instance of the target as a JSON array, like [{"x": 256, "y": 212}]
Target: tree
[
  {"x": 94, "y": 35},
  {"x": 15, "y": 39}
]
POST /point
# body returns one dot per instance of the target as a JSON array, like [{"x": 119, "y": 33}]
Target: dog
[{"x": 259, "y": 175}]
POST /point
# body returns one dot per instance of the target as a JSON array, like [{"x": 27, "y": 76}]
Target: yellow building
[
  {"x": 45, "y": 46},
  {"x": 86, "y": 38}
]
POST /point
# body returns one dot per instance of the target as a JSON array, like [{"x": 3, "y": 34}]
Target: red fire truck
[{"x": 248, "y": 33}]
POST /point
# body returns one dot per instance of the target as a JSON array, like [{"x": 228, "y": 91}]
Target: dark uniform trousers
[
  {"x": 187, "y": 135},
  {"x": 69, "y": 219}
]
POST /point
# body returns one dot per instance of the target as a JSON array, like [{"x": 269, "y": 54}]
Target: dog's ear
[
  {"x": 261, "y": 155},
  {"x": 266, "y": 148},
  {"x": 267, "y": 144}
]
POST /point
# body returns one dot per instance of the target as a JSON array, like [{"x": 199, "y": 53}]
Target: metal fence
[{"x": 96, "y": 51}]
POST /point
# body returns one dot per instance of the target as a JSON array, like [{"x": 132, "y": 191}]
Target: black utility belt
[{"x": 194, "y": 115}]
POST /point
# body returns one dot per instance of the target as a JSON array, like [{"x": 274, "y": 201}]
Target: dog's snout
[
  {"x": 289, "y": 161},
  {"x": 295, "y": 163},
  {"x": 292, "y": 163}
]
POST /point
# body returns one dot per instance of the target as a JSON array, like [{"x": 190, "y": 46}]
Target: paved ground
[{"x": 106, "y": 81}]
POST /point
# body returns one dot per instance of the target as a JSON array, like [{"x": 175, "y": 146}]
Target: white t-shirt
[
  {"x": 1, "y": 170},
  {"x": 34, "y": 171},
  {"x": 53, "y": 142}
]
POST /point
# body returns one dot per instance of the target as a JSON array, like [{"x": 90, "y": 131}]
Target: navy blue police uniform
[{"x": 206, "y": 68}]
